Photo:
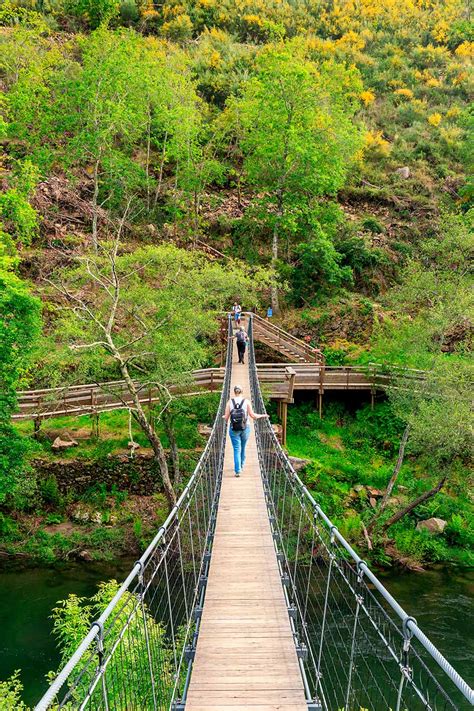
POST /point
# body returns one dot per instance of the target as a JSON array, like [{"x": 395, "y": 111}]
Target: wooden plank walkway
[{"x": 245, "y": 656}]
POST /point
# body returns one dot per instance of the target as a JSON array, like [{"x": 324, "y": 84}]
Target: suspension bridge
[{"x": 249, "y": 598}]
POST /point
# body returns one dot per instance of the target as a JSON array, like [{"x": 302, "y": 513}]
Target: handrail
[
  {"x": 100, "y": 400},
  {"x": 303, "y": 347},
  {"x": 157, "y": 547},
  {"x": 409, "y": 625}
]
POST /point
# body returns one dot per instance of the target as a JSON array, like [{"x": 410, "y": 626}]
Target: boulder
[
  {"x": 60, "y": 444},
  {"x": 432, "y": 525},
  {"x": 374, "y": 492},
  {"x": 278, "y": 430},
  {"x": 299, "y": 464},
  {"x": 403, "y": 172},
  {"x": 358, "y": 488},
  {"x": 85, "y": 556},
  {"x": 204, "y": 430}
]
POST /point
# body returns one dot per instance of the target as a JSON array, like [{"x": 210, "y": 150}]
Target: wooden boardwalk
[{"x": 245, "y": 656}]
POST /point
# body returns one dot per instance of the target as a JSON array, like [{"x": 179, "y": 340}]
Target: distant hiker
[
  {"x": 237, "y": 309},
  {"x": 269, "y": 312},
  {"x": 242, "y": 340},
  {"x": 238, "y": 411}
]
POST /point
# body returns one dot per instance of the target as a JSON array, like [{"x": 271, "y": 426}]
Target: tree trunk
[
  {"x": 169, "y": 429},
  {"x": 95, "y": 206},
  {"x": 162, "y": 166},
  {"x": 275, "y": 241},
  {"x": 416, "y": 502},
  {"x": 141, "y": 418},
  {"x": 393, "y": 479}
]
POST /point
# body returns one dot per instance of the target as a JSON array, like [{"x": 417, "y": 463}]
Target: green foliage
[
  {"x": 19, "y": 329},
  {"x": 176, "y": 293},
  {"x": 16, "y": 212},
  {"x": 432, "y": 302},
  {"x": 351, "y": 450},
  {"x": 49, "y": 490},
  {"x": 10, "y": 694},
  {"x": 93, "y": 12},
  {"x": 71, "y": 621}
]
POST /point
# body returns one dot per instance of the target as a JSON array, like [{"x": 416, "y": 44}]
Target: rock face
[
  {"x": 432, "y": 525},
  {"x": 60, "y": 444}
]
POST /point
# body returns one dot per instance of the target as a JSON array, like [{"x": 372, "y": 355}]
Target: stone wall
[{"x": 139, "y": 475}]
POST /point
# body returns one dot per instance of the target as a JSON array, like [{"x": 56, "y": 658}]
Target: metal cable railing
[
  {"x": 139, "y": 653},
  {"x": 357, "y": 648}
]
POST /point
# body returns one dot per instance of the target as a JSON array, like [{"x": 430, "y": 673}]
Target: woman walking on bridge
[{"x": 238, "y": 411}]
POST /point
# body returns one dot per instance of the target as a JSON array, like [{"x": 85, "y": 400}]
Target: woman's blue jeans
[{"x": 239, "y": 440}]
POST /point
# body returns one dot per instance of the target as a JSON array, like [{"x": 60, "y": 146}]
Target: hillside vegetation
[{"x": 163, "y": 159}]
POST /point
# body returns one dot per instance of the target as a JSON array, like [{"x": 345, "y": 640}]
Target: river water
[{"x": 441, "y": 601}]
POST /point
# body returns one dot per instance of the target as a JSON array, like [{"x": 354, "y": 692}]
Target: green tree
[
  {"x": 296, "y": 134},
  {"x": 19, "y": 330},
  {"x": 147, "y": 314},
  {"x": 72, "y": 620}
]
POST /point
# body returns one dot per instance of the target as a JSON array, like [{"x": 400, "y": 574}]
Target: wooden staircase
[{"x": 294, "y": 349}]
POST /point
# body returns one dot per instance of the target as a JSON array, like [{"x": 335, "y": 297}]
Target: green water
[{"x": 441, "y": 601}]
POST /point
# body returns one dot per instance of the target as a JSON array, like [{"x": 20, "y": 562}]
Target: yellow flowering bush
[
  {"x": 465, "y": 50},
  {"x": 453, "y": 113},
  {"x": 368, "y": 97},
  {"x": 434, "y": 119},
  {"x": 406, "y": 93},
  {"x": 433, "y": 83},
  {"x": 179, "y": 28},
  {"x": 375, "y": 144}
]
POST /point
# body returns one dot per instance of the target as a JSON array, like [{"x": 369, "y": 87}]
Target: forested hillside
[{"x": 161, "y": 160}]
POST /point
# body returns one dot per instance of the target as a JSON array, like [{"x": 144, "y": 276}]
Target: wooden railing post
[
  {"x": 284, "y": 419},
  {"x": 95, "y": 415}
]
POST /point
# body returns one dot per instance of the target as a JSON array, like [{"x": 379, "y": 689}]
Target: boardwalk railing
[
  {"x": 358, "y": 648},
  {"x": 138, "y": 654},
  {"x": 92, "y": 399},
  {"x": 277, "y": 338},
  {"x": 95, "y": 398}
]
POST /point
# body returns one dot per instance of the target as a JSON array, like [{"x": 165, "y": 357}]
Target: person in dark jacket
[{"x": 242, "y": 340}]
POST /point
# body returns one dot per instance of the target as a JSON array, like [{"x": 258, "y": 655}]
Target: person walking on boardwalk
[
  {"x": 238, "y": 411},
  {"x": 242, "y": 340},
  {"x": 237, "y": 309}
]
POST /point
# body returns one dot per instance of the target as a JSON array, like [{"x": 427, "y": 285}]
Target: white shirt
[{"x": 238, "y": 399}]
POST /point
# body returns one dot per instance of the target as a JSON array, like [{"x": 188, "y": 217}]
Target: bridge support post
[{"x": 284, "y": 418}]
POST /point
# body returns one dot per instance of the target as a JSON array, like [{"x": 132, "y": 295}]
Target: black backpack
[
  {"x": 240, "y": 337},
  {"x": 238, "y": 416}
]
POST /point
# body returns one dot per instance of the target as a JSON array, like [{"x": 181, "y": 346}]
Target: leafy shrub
[
  {"x": 10, "y": 694},
  {"x": 460, "y": 532},
  {"x": 421, "y": 545},
  {"x": 8, "y": 527},
  {"x": 129, "y": 12},
  {"x": 49, "y": 490},
  {"x": 380, "y": 426}
]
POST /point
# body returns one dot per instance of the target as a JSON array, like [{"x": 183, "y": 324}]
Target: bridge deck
[{"x": 245, "y": 656}]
